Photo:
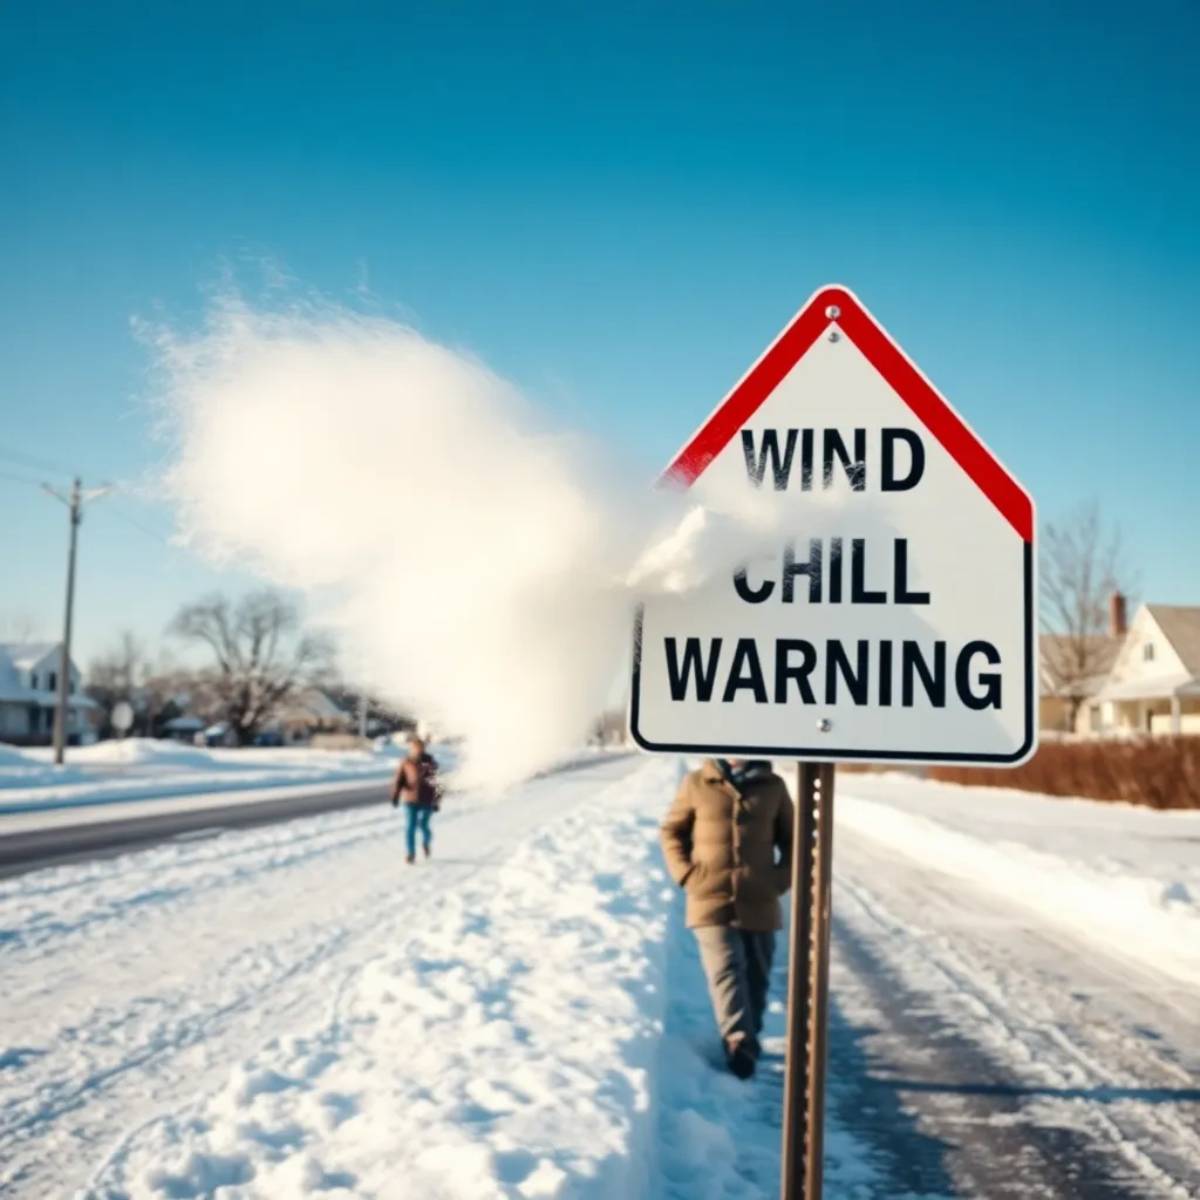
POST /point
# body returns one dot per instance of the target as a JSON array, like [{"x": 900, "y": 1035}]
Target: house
[
  {"x": 1073, "y": 669},
  {"x": 310, "y": 712},
  {"x": 1154, "y": 684},
  {"x": 183, "y": 729},
  {"x": 29, "y": 695}
]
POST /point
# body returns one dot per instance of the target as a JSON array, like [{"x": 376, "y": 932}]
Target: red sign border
[{"x": 900, "y": 373}]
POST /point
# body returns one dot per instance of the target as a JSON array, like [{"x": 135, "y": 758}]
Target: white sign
[
  {"x": 890, "y": 614},
  {"x": 122, "y": 716}
]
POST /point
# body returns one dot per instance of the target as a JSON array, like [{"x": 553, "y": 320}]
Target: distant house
[
  {"x": 1154, "y": 684},
  {"x": 311, "y": 712},
  {"x": 29, "y": 695},
  {"x": 183, "y": 729},
  {"x": 1072, "y": 670}
]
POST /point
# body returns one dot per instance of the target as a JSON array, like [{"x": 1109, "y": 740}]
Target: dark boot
[
  {"x": 741, "y": 1055},
  {"x": 410, "y": 858}
]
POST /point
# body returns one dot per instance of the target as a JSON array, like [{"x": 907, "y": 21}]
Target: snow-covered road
[
  {"x": 291, "y": 1010},
  {"x": 987, "y": 1053}
]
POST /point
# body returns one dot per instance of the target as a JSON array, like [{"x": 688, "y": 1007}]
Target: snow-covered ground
[
  {"x": 291, "y": 1010},
  {"x": 139, "y": 768},
  {"x": 1014, "y": 991},
  {"x": 1123, "y": 877}
]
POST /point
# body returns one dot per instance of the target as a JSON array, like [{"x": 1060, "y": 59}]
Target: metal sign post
[{"x": 808, "y": 984}]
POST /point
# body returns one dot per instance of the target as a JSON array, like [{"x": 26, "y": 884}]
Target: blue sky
[{"x": 616, "y": 207}]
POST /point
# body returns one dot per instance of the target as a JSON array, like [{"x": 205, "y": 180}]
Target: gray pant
[{"x": 738, "y": 966}]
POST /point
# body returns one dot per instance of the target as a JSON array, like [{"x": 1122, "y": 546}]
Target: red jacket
[{"x": 416, "y": 782}]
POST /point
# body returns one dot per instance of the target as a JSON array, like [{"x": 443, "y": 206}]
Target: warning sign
[{"x": 890, "y": 614}]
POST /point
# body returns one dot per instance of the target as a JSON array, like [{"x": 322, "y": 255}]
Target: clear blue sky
[{"x": 617, "y": 208}]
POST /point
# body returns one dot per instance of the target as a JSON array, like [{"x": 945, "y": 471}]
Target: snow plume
[{"x": 479, "y": 568}]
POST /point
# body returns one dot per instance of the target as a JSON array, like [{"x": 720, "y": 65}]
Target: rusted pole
[{"x": 808, "y": 985}]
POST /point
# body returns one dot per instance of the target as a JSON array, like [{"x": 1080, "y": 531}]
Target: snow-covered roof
[
  {"x": 1180, "y": 624},
  {"x": 1152, "y": 688},
  {"x": 18, "y": 657},
  {"x": 314, "y": 705},
  {"x": 24, "y": 655},
  {"x": 184, "y": 725}
]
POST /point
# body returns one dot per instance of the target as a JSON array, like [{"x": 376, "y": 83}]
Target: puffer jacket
[
  {"x": 730, "y": 846},
  {"x": 416, "y": 783}
]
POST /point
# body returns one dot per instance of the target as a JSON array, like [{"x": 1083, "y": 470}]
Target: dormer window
[
  {"x": 33, "y": 680},
  {"x": 1148, "y": 652}
]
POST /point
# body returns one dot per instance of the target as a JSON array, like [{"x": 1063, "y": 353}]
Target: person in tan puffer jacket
[{"x": 727, "y": 841}]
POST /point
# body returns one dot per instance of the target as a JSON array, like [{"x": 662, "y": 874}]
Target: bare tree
[
  {"x": 1082, "y": 565},
  {"x": 117, "y": 675},
  {"x": 261, "y": 656},
  {"x": 19, "y": 626}
]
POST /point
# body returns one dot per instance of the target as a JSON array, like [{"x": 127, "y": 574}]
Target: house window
[
  {"x": 53, "y": 684},
  {"x": 33, "y": 680},
  {"x": 1148, "y": 652}
]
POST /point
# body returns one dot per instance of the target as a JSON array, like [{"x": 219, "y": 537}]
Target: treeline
[{"x": 1160, "y": 772}]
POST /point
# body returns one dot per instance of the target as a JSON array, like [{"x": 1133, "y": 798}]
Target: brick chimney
[{"x": 1117, "y": 624}]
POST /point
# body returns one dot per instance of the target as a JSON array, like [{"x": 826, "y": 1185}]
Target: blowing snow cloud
[{"x": 474, "y": 563}]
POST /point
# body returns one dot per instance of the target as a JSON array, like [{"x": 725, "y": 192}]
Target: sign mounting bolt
[
  {"x": 824, "y": 724},
  {"x": 834, "y": 336},
  {"x": 833, "y": 312}
]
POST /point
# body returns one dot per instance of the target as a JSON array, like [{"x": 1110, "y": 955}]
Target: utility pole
[{"x": 74, "y": 500}]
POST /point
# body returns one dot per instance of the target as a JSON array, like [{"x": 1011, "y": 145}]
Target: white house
[
  {"x": 29, "y": 694},
  {"x": 1154, "y": 684}
]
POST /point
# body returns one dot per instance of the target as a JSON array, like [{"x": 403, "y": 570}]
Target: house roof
[
  {"x": 16, "y": 657},
  {"x": 25, "y": 654},
  {"x": 1155, "y": 688},
  {"x": 314, "y": 705},
  {"x": 1180, "y": 624}
]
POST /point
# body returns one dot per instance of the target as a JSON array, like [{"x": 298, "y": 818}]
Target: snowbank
[
  {"x": 144, "y": 752},
  {"x": 11, "y": 757},
  {"x": 1125, "y": 878},
  {"x": 504, "y": 1048},
  {"x": 139, "y": 768}
]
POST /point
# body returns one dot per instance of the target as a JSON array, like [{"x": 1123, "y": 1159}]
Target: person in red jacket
[{"x": 416, "y": 785}]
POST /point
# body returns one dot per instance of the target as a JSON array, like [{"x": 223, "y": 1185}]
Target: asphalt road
[
  {"x": 30, "y": 850},
  {"x": 983, "y": 1053}
]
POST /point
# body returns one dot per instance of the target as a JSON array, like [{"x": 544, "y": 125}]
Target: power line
[
  {"x": 20, "y": 479},
  {"x": 129, "y": 519},
  {"x": 23, "y": 459}
]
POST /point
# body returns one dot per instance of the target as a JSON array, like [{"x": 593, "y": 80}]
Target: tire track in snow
[{"x": 1011, "y": 1023}]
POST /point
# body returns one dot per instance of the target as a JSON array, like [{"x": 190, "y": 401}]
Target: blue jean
[{"x": 418, "y": 815}]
